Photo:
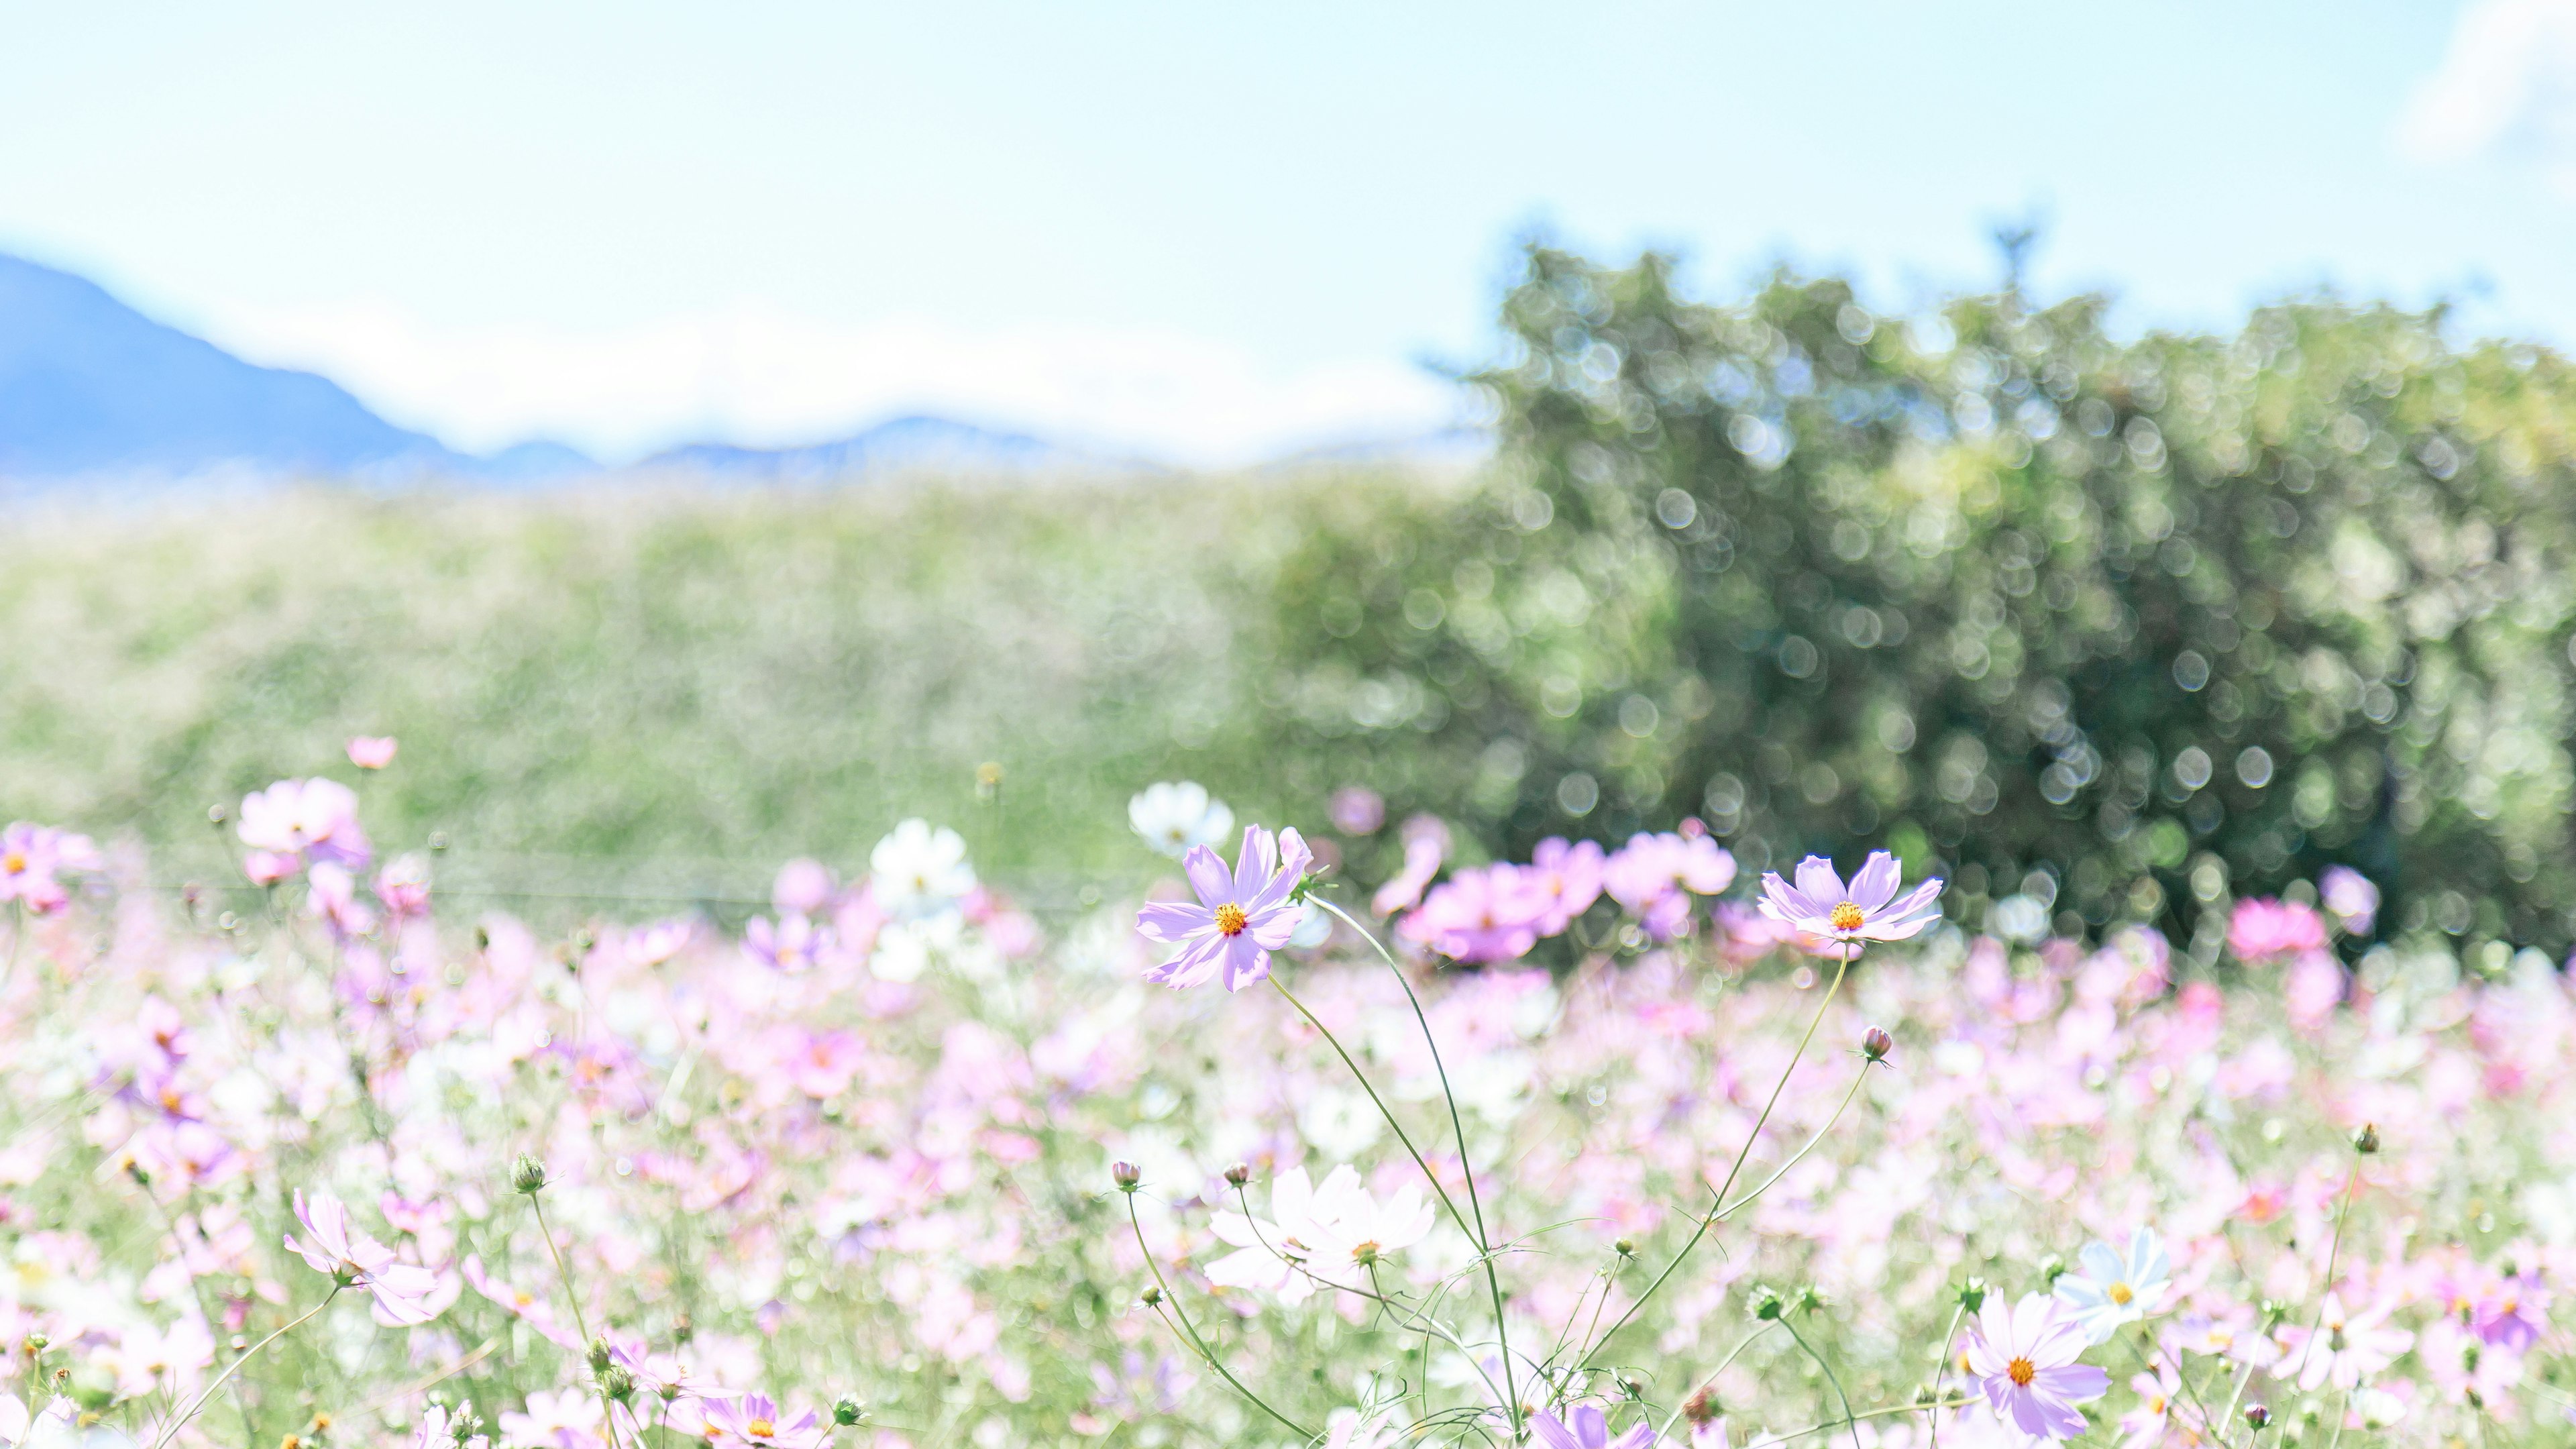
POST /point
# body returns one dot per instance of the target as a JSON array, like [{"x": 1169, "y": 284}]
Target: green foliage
[{"x": 2115, "y": 625}]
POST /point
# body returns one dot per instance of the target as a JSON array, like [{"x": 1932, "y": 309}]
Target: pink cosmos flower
[
  {"x": 754, "y": 1422},
  {"x": 2346, "y": 1347},
  {"x": 402, "y": 1290},
  {"x": 1869, "y": 910},
  {"x": 2267, "y": 930},
  {"x": 372, "y": 752},
  {"x": 32, "y": 858},
  {"x": 1564, "y": 880},
  {"x": 1240, "y": 918},
  {"x": 1479, "y": 915},
  {"x": 316, "y": 819},
  {"x": 2025, "y": 1358},
  {"x": 804, "y": 888},
  {"x": 568, "y": 1419},
  {"x": 1426, "y": 844},
  {"x": 1590, "y": 1430},
  {"x": 403, "y": 885},
  {"x": 793, "y": 944}
]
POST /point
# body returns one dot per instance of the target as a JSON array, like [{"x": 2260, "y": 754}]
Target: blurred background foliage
[{"x": 2118, "y": 628}]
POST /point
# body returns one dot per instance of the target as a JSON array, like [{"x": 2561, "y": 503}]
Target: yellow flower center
[
  {"x": 14, "y": 863},
  {"x": 2121, "y": 1293},
  {"x": 1848, "y": 917},
  {"x": 760, "y": 1428},
  {"x": 1230, "y": 919},
  {"x": 2021, "y": 1371}
]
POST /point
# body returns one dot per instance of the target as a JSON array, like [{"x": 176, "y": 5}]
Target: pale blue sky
[{"x": 1221, "y": 227}]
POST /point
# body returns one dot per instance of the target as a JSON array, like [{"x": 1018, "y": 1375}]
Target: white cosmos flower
[
  {"x": 1330, "y": 1234},
  {"x": 2116, "y": 1287},
  {"x": 920, "y": 870},
  {"x": 1177, "y": 814}
]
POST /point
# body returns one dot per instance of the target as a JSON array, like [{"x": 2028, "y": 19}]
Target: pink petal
[
  {"x": 1208, "y": 877},
  {"x": 1173, "y": 922},
  {"x": 1874, "y": 885},
  {"x": 1818, "y": 882}
]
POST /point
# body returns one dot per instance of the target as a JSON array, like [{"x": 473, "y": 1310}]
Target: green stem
[
  {"x": 607, "y": 1410},
  {"x": 1722, "y": 1366},
  {"x": 1941, "y": 1366},
  {"x": 1850, "y": 1419},
  {"x": 162, "y": 1439},
  {"x": 1466, "y": 1168},
  {"x": 1190, "y": 1333},
  {"x": 1935, "y": 1407},
  {"x": 2308, "y": 1345},
  {"x": 1716, "y": 1207}
]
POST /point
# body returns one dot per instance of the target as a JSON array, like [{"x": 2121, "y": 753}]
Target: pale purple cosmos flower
[
  {"x": 754, "y": 1421},
  {"x": 1651, "y": 873},
  {"x": 1590, "y": 1430},
  {"x": 2024, "y": 1358},
  {"x": 1867, "y": 910},
  {"x": 2514, "y": 1313},
  {"x": 2350, "y": 898},
  {"x": 402, "y": 1290},
  {"x": 1241, "y": 916},
  {"x": 1479, "y": 915},
  {"x": 372, "y": 752}
]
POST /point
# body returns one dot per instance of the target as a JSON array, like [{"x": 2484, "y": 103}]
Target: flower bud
[
  {"x": 1239, "y": 1174},
  {"x": 36, "y": 1344},
  {"x": 2366, "y": 1141},
  {"x": 1972, "y": 1295},
  {"x": 2257, "y": 1415},
  {"x": 599, "y": 1358},
  {"x": 682, "y": 1330},
  {"x": 847, "y": 1410},
  {"x": 1767, "y": 1305},
  {"x": 1700, "y": 1407},
  {"x": 617, "y": 1383},
  {"x": 216, "y": 815},
  {"x": 1152, "y": 1295},
  {"x": 528, "y": 1175},
  {"x": 1875, "y": 1044},
  {"x": 1625, "y": 1248},
  {"x": 1126, "y": 1175}
]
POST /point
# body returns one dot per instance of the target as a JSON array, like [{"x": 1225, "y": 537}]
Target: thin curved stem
[
  {"x": 2308, "y": 1345},
  {"x": 1935, "y": 1406},
  {"x": 1707, "y": 1221},
  {"x": 1850, "y": 1419},
  {"x": 607, "y": 1410},
  {"x": 1941, "y": 1366},
  {"x": 1722, "y": 1366},
  {"x": 1466, "y": 1167},
  {"x": 170, "y": 1430},
  {"x": 1189, "y": 1332},
  {"x": 1484, "y": 1254}
]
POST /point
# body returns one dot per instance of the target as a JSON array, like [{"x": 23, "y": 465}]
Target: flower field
[{"x": 1619, "y": 1146}]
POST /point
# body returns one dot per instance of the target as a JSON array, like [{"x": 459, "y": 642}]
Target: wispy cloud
[
  {"x": 760, "y": 374},
  {"x": 2506, "y": 87}
]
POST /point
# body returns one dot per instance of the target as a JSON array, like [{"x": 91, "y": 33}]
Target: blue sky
[{"x": 1219, "y": 229}]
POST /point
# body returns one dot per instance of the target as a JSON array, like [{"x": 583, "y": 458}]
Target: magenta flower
[
  {"x": 2267, "y": 930},
  {"x": 2025, "y": 1359},
  {"x": 755, "y": 1420},
  {"x": 1868, "y": 910},
  {"x": 402, "y": 1290},
  {"x": 1564, "y": 880},
  {"x": 1240, "y": 917},
  {"x": 1479, "y": 915},
  {"x": 1590, "y": 1430}
]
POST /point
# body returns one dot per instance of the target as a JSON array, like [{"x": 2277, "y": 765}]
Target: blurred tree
[{"x": 2116, "y": 629}]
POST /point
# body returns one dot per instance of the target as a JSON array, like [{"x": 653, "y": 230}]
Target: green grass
[{"x": 658, "y": 691}]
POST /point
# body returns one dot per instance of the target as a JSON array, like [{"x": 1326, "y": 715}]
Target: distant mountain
[
  {"x": 540, "y": 461},
  {"x": 902, "y": 443},
  {"x": 88, "y": 385}
]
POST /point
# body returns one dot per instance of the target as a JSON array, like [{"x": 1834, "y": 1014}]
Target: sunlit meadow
[{"x": 1615, "y": 1146}]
